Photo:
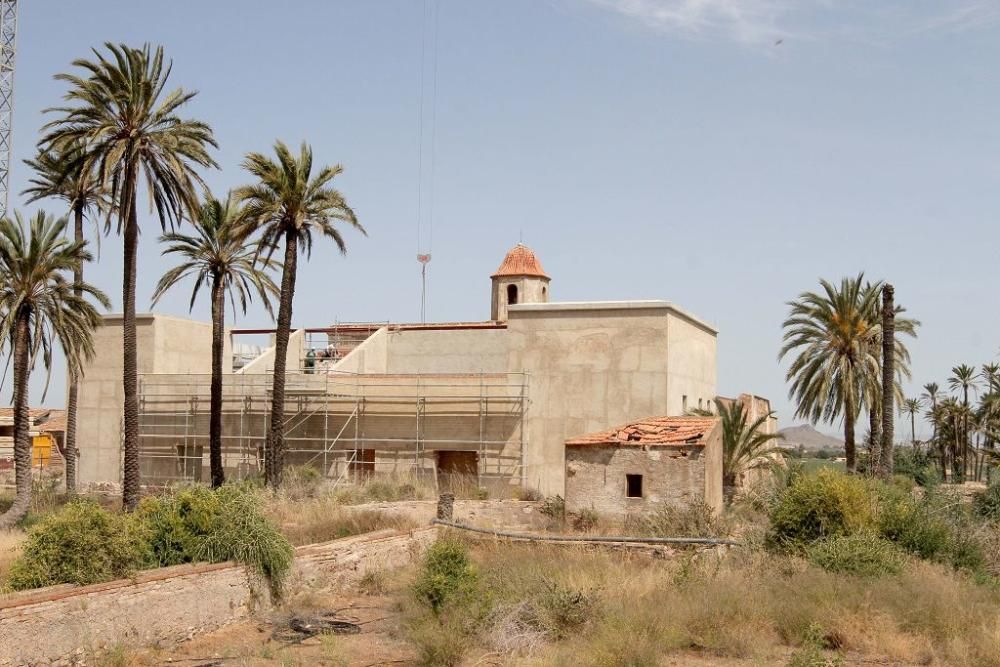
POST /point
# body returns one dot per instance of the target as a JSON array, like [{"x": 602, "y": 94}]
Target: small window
[
  {"x": 699, "y": 404},
  {"x": 684, "y": 403},
  {"x": 511, "y": 295},
  {"x": 633, "y": 486},
  {"x": 545, "y": 292}
]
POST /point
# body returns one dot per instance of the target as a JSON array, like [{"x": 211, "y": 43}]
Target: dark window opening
[
  {"x": 633, "y": 486},
  {"x": 361, "y": 464},
  {"x": 545, "y": 292},
  {"x": 511, "y": 295}
]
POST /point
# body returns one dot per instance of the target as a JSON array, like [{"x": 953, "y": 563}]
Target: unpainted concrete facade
[{"x": 511, "y": 391}]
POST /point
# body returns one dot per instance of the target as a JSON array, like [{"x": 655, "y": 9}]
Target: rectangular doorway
[
  {"x": 362, "y": 464},
  {"x": 457, "y": 470}
]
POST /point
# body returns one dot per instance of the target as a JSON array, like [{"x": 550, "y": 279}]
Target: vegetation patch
[{"x": 863, "y": 554}]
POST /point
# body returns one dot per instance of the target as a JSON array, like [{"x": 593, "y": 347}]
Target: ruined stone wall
[
  {"x": 595, "y": 477},
  {"x": 165, "y": 606}
]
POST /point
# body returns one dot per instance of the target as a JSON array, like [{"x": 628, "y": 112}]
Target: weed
[{"x": 862, "y": 554}]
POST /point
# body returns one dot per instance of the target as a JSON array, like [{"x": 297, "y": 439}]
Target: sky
[{"x": 719, "y": 154}]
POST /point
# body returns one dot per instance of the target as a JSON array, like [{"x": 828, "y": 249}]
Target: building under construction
[{"x": 494, "y": 400}]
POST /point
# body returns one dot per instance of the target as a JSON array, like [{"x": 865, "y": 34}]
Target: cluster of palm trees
[
  {"x": 118, "y": 135},
  {"x": 846, "y": 358},
  {"x": 964, "y": 438}
]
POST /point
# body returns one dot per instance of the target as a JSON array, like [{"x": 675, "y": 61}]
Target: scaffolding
[{"x": 343, "y": 424}]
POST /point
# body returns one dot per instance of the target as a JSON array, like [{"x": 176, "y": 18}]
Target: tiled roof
[
  {"x": 662, "y": 431},
  {"x": 33, "y": 413},
  {"x": 520, "y": 261},
  {"x": 56, "y": 423}
]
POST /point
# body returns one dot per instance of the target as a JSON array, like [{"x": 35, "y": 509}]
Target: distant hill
[{"x": 809, "y": 438}]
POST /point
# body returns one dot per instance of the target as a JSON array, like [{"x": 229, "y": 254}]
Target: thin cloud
[{"x": 757, "y": 22}]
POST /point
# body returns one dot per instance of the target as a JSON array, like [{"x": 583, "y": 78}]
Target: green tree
[
  {"x": 963, "y": 378},
  {"x": 218, "y": 254},
  {"x": 912, "y": 406},
  {"x": 829, "y": 335},
  {"x": 119, "y": 109},
  {"x": 745, "y": 444},
  {"x": 39, "y": 307},
  {"x": 288, "y": 205},
  {"x": 60, "y": 175}
]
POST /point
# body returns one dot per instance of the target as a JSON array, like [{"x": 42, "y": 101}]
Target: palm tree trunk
[
  {"x": 130, "y": 373},
  {"x": 69, "y": 450},
  {"x": 215, "y": 423},
  {"x": 274, "y": 464},
  {"x": 888, "y": 376},
  {"x": 874, "y": 438},
  {"x": 22, "y": 440},
  {"x": 852, "y": 465},
  {"x": 913, "y": 430}
]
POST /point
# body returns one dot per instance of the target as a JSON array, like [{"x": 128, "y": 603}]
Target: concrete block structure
[
  {"x": 643, "y": 464},
  {"x": 494, "y": 400}
]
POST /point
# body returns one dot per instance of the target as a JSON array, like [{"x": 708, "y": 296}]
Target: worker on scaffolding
[{"x": 310, "y": 361}]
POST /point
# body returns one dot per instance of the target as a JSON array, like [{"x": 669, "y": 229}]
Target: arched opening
[
  {"x": 545, "y": 293},
  {"x": 511, "y": 295}
]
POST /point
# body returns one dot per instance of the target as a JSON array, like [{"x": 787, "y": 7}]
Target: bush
[
  {"x": 987, "y": 503},
  {"x": 585, "y": 520},
  {"x": 446, "y": 574},
  {"x": 81, "y": 543},
  {"x": 820, "y": 505},
  {"x": 911, "y": 525},
  {"x": 176, "y": 525},
  {"x": 862, "y": 554}
]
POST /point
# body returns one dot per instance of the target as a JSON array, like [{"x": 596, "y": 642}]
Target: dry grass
[
  {"x": 568, "y": 605},
  {"x": 322, "y": 518},
  {"x": 10, "y": 548}
]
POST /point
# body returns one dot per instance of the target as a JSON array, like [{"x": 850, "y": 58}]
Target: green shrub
[
  {"x": 81, "y": 543},
  {"x": 240, "y": 532},
  {"x": 987, "y": 503},
  {"x": 175, "y": 525},
  {"x": 819, "y": 505},
  {"x": 564, "y": 609},
  {"x": 911, "y": 525},
  {"x": 863, "y": 554},
  {"x": 447, "y": 573},
  {"x": 917, "y": 466},
  {"x": 585, "y": 520}
]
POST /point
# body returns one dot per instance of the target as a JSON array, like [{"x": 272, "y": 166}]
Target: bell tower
[{"x": 520, "y": 279}]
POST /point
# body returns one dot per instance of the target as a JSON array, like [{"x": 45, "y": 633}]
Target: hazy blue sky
[{"x": 720, "y": 154}]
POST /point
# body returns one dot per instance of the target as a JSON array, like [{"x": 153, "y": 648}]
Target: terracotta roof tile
[
  {"x": 520, "y": 261},
  {"x": 56, "y": 423},
  {"x": 33, "y": 413},
  {"x": 662, "y": 431}
]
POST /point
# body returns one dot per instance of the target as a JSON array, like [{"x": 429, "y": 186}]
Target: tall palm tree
[
  {"x": 990, "y": 374},
  {"x": 888, "y": 336},
  {"x": 120, "y": 111},
  {"x": 218, "y": 254},
  {"x": 963, "y": 377},
  {"x": 932, "y": 393},
  {"x": 912, "y": 406},
  {"x": 59, "y": 175},
  {"x": 835, "y": 363},
  {"x": 745, "y": 445},
  {"x": 39, "y": 307},
  {"x": 288, "y": 204}
]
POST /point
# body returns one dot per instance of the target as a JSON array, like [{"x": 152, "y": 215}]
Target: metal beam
[{"x": 8, "y": 51}]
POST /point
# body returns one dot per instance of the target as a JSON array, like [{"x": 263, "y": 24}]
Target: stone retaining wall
[{"x": 59, "y": 624}]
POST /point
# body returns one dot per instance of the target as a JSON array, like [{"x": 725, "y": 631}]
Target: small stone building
[{"x": 634, "y": 468}]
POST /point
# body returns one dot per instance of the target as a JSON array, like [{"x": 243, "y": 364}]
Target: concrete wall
[
  {"x": 595, "y": 477},
  {"x": 170, "y": 605},
  {"x": 691, "y": 363},
  {"x": 166, "y": 345},
  {"x": 592, "y": 366},
  {"x": 368, "y": 357},
  {"x": 294, "y": 356},
  {"x": 447, "y": 351}
]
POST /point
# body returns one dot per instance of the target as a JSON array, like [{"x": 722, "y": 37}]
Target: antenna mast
[{"x": 8, "y": 42}]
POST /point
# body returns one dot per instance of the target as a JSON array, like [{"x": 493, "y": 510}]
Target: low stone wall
[
  {"x": 59, "y": 624},
  {"x": 510, "y": 514}
]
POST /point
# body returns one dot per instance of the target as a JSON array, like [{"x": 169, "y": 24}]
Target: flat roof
[{"x": 652, "y": 304}]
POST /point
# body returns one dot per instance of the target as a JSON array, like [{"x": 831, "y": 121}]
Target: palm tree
[
  {"x": 888, "y": 336},
  {"x": 991, "y": 375},
  {"x": 39, "y": 307},
  {"x": 288, "y": 204},
  {"x": 835, "y": 361},
  {"x": 912, "y": 406},
  {"x": 745, "y": 446},
  {"x": 964, "y": 377},
  {"x": 131, "y": 129},
  {"x": 218, "y": 254},
  {"x": 931, "y": 394},
  {"x": 59, "y": 175}
]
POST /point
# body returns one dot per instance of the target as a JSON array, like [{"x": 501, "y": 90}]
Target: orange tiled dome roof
[{"x": 520, "y": 261}]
